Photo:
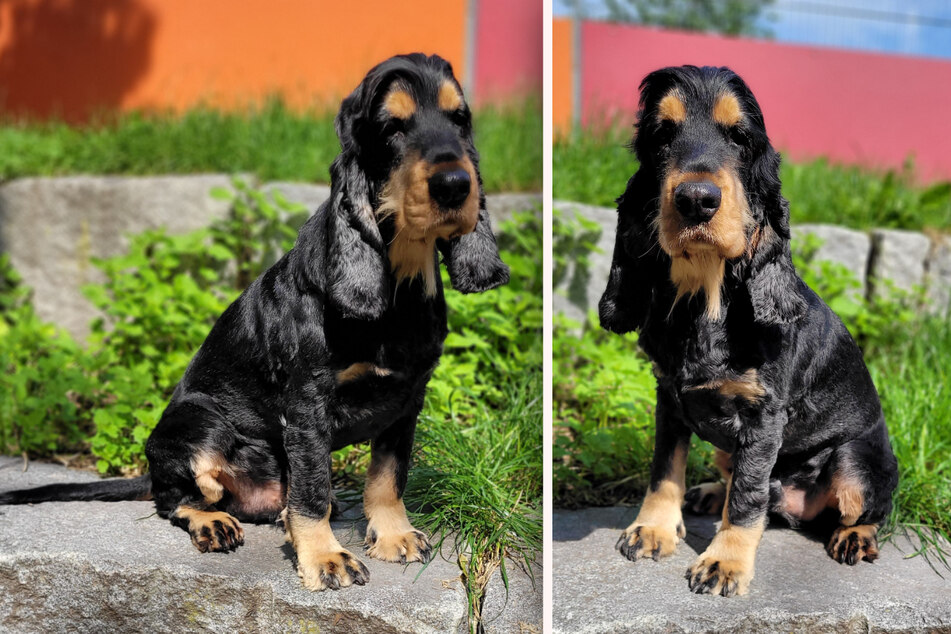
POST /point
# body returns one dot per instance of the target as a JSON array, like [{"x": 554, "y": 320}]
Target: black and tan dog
[
  {"x": 332, "y": 345},
  {"x": 746, "y": 355}
]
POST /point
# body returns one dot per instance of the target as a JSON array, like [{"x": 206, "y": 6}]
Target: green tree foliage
[{"x": 729, "y": 17}]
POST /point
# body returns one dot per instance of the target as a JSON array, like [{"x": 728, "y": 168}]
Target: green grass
[
  {"x": 271, "y": 141},
  {"x": 478, "y": 484},
  {"x": 594, "y": 167},
  {"x": 914, "y": 382}
]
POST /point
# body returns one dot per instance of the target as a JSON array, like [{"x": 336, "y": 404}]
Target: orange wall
[
  {"x": 562, "y": 62},
  {"x": 74, "y": 57}
]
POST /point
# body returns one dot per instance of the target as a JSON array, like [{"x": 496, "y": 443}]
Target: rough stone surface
[
  {"x": 501, "y": 207},
  {"x": 113, "y": 567},
  {"x": 52, "y": 227},
  {"x": 517, "y": 610},
  {"x": 939, "y": 276},
  {"x": 843, "y": 246},
  {"x": 797, "y": 587},
  {"x": 898, "y": 256},
  {"x": 579, "y": 289}
]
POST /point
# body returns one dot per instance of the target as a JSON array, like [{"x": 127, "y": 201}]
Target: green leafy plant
[{"x": 45, "y": 384}]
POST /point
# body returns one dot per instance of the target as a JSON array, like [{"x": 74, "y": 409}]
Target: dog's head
[
  {"x": 406, "y": 182},
  {"x": 708, "y": 192}
]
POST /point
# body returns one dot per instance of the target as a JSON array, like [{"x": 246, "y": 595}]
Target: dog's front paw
[
  {"x": 852, "y": 544},
  {"x": 706, "y": 498},
  {"x": 712, "y": 575},
  {"x": 398, "y": 547},
  {"x": 331, "y": 570},
  {"x": 646, "y": 540}
]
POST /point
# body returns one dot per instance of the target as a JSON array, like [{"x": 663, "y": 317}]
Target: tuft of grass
[
  {"x": 269, "y": 140},
  {"x": 914, "y": 382},
  {"x": 594, "y": 166},
  {"x": 479, "y": 484}
]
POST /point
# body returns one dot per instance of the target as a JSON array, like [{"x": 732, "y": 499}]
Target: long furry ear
[
  {"x": 357, "y": 281},
  {"x": 773, "y": 284},
  {"x": 634, "y": 267},
  {"x": 772, "y": 281},
  {"x": 473, "y": 259}
]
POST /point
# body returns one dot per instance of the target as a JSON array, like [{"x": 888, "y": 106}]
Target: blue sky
[{"x": 909, "y": 27}]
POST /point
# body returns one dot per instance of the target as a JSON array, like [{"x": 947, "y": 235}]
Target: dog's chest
[{"x": 705, "y": 378}]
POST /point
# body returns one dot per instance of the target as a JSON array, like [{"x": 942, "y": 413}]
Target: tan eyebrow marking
[
  {"x": 449, "y": 97},
  {"x": 400, "y": 104},
  {"x": 726, "y": 110},
  {"x": 672, "y": 108}
]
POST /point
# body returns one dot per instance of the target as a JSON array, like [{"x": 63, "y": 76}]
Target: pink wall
[
  {"x": 508, "y": 53},
  {"x": 865, "y": 108}
]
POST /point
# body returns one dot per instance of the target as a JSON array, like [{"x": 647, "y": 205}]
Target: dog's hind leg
[
  {"x": 659, "y": 525},
  {"x": 708, "y": 498},
  {"x": 390, "y": 536},
  {"x": 866, "y": 474},
  {"x": 185, "y": 481}
]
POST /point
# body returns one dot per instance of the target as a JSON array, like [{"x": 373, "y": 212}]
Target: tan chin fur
[
  {"x": 699, "y": 252},
  {"x": 703, "y": 270},
  {"x": 418, "y": 221}
]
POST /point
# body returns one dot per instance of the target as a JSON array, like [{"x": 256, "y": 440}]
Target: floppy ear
[
  {"x": 356, "y": 280},
  {"x": 772, "y": 281},
  {"x": 627, "y": 298},
  {"x": 473, "y": 259}
]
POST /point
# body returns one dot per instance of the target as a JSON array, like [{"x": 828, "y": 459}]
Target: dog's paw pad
[
  {"x": 645, "y": 540},
  {"x": 332, "y": 570},
  {"x": 726, "y": 577},
  {"x": 398, "y": 547},
  {"x": 705, "y": 499},
  {"x": 851, "y": 544}
]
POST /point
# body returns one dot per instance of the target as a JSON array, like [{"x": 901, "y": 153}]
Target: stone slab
[
  {"x": 939, "y": 276},
  {"x": 53, "y": 227},
  {"x": 580, "y": 289},
  {"x": 898, "y": 256},
  {"x": 847, "y": 247},
  {"x": 797, "y": 588},
  {"x": 110, "y": 567}
]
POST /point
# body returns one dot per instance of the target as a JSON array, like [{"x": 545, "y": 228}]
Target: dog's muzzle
[
  {"x": 450, "y": 188},
  {"x": 697, "y": 201}
]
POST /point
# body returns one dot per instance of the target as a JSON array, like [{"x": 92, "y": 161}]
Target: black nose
[
  {"x": 450, "y": 188},
  {"x": 698, "y": 201}
]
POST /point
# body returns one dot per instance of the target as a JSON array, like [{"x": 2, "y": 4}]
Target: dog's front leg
[
  {"x": 390, "y": 536},
  {"x": 659, "y": 525},
  {"x": 322, "y": 562},
  {"x": 726, "y": 566}
]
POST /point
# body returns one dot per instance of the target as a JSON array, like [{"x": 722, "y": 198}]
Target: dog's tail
[{"x": 114, "y": 490}]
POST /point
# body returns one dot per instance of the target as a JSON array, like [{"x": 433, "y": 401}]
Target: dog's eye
[
  {"x": 736, "y": 135},
  {"x": 665, "y": 133},
  {"x": 459, "y": 117}
]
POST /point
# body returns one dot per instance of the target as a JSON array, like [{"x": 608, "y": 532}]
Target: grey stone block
[
  {"x": 116, "y": 567},
  {"x": 517, "y": 610},
  {"x": 843, "y": 246},
  {"x": 938, "y": 277},
  {"x": 898, "y": 256},
  {"x": 52, "y": 227},
  {"x": 501, "y": 207},
  {"x": 580, "y": 289},
  {"x": 797, "y": 588},
  {"x": 309, "y": 195}
]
